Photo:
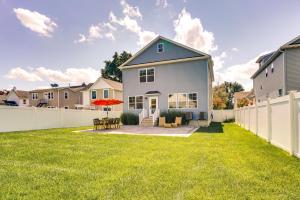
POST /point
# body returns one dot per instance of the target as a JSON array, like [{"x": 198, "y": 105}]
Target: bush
[
  {"x": 172, "y": 114},
  {"x": 129, "y": 119}
]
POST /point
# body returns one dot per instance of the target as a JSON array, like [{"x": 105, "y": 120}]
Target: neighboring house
[
  {"x": 278, "y": 72},
  {"x": 166, "y": 75},
  {"x": 57, "y": 97},
  {"x": 102, "y": 89},
  {"x": 243, "y": 98},
  {"x": 3, "y": 95},
  {"x": 17, "y": 97}
]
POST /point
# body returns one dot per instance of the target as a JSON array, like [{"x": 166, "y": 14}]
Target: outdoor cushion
[
  {"x": 168, "y": 125},
  {"x": 161, "y": 121}
]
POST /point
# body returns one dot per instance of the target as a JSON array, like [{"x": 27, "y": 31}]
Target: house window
[
  {"x": 49, "y": 95},
  {"x": 66, "y": 95},
  {"x": 172, "y": 99},
  {"x": 135, "y": 102},
  {"x": 160, "y": 47},
  {"x": 266, "y": 72},
  {"x": 94, "y": 94},
  {"x": 146, "y": 75},
  {"x": 272, "y": 68},
  {"x": 105, "y": 93},
  {"x": 24, "y": 101},
  {"x": 280, "y": 92},
  {"x": 192, "y": 100},
  {"x": 107, "y": 108},
  {"x": 66, "y": 107},
  {"x": 182, "y": 100},
  {"x": 34, "y": 96}
]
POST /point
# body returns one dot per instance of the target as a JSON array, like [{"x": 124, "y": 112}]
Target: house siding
[
  {"x": 272, "y": 83},
  {"x": 171, "y": 51},
  {"x": 293, "y": 69},
  {"x": 182, "y": 77}
]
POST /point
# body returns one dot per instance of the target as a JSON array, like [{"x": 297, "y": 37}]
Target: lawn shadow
[{"x": 214, "y": 127}]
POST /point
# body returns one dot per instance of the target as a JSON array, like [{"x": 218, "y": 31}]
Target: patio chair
[
  {"x": 178, "y": 121},
  {"x": 117, "y": 122},
  {"x": 96, "y": 124},
  {"x": 161, "y": 121},
  {"x": 111, "y": 122}
]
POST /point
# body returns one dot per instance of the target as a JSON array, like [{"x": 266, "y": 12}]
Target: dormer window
[{"x": 160, "y": 47}]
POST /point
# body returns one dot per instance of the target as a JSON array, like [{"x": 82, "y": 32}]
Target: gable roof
[
  {"x": 201, "y": 54},
  {"x": 113, "y": 84},
  {"x": 294, "y": 43}
]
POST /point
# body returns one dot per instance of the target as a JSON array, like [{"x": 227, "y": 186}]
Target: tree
[
  {"x": 223, "y": 95},
  {"x": 111, "y": 70},
  {"x": 220, "y": 97},
  {"x": 231, "y": 88}
]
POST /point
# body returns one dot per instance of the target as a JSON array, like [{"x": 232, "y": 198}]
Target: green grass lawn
[{"x": 222, "y": 162}]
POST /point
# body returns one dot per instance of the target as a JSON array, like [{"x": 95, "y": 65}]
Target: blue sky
[{"x": 42, "y": 42}]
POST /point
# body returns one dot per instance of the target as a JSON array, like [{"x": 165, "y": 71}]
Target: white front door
[{"x": 153, "y": 105}]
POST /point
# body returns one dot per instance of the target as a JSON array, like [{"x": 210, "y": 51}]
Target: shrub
[
  {"x": 129, "y": 119},
  {"x": 172, "y": 114}
]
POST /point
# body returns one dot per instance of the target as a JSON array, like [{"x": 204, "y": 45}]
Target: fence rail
[
  {"x": 31, "y": 118},
  {"x": 275, "y": 120}
]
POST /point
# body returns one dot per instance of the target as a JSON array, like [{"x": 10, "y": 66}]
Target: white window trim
[
  {"x": 46, "y": 94},
  {"x": 135, "y": 102},
  {"x": 177, "y": 102},
  {"x": 34, "y": 96},
  {"x": 107, "y": 93},
  {"x": 92, "y": 94},
  {"x": 146, "y": 75},
  {"x": 163, "y": 47},
  {"x": 66, "y": 92}
]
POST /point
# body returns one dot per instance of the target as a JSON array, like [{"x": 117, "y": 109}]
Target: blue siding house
[{"x": 166, "y": 75}]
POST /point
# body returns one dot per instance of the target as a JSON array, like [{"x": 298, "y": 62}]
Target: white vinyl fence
[
  {"x": 276, "y": 120},
  {"x": 31, "y": 118},
  {"x": 222, "y": 115}
]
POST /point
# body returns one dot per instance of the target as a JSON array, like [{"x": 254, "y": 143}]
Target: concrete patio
[{"x": 183, "y": 131}]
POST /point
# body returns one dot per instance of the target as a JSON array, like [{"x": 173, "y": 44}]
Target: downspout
[
  {"x": 284, "y": 73},
  {"x": 58, "y": 98}
]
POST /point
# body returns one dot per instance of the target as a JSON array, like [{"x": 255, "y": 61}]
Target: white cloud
[
  {"x": 19, "y": 73},
  {"x": 36, "y": 22},
  {"x": 70, "y": 75},
  {"x": 240, "y": 72},
  {"x": 190, "y": 31},
  {"x": 162, "y": 3},
  {"x": 101, "y": 30},
  {"x": 130, "y": 23},
  {"x": 235, "y": 49},
  {"x": 219, "y": 61},
  {"x": 131, "y": 11}
]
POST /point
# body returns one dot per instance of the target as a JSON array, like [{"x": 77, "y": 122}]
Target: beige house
[
  {"x": 58, "y": 97},
  {"x": 102, "y": 89}
]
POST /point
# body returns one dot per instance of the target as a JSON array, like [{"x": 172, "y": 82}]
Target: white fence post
[
  {"x": 269, "y": 120},
  {"x": 293, "y": 138},
  {"x": 256, "y": 119}
]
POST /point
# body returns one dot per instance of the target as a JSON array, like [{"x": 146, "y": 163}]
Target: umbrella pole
[{"x": 107, "y": 111}]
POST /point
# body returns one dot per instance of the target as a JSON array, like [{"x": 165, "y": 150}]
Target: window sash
[
  {"x": 160, "y": 47},
  {"x": 105, "y": 94},
  {"x": 135, "y": 102},
  {"x": 182, "y": 100},
  {"x": 66, "y": 95},
  {"x": 94, "y": 94},
  {"x": 147, "y": 75}
]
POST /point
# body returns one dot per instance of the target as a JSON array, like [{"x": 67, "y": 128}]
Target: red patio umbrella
[{"x": 106, "y": 102}]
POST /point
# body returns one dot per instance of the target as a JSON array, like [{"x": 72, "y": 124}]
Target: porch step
[{"x": 147, "y": 122}]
